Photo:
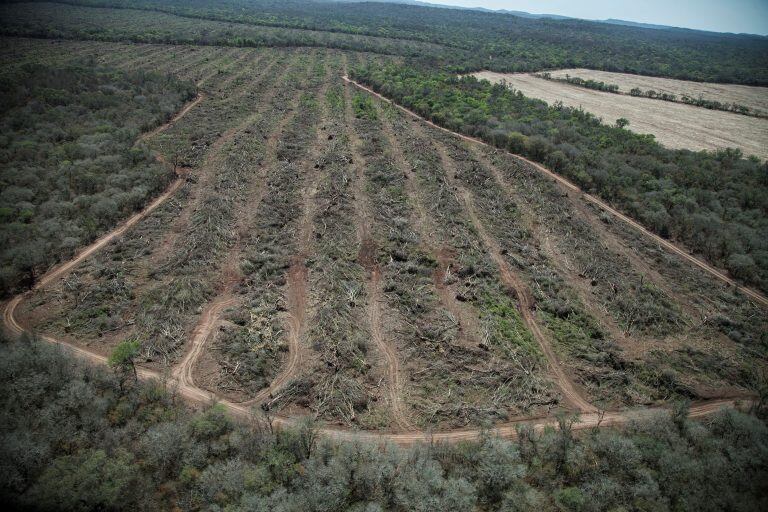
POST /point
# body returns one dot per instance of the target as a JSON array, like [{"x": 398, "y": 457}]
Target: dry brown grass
[
  {"x": 755, "y": 98},
  {"x": 675, "y": 125}
]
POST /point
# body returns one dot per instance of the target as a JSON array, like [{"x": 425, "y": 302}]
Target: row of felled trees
[
  {"x": 74, "y": 437},
  {"x": 716, "y": 203},
  {"x": 68, "y": 165}
]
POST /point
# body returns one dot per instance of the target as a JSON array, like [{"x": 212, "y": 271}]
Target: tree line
[
  {"x": 471, "y": 40},
  {"x": 714, "y": 202},
  {"x": 69, "y": 169}
]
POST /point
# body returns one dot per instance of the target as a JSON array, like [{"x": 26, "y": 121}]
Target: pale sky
[{"x": 749, "y": 16}]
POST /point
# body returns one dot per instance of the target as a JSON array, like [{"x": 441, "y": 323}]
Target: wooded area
[
  {"x": 333, "y": 275},
  {"x": 109, "y": 443},
  {"x": 69, "y": 168},
  {"x": 459, "y": 40}
]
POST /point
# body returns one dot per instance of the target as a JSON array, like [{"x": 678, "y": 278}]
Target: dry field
[
  {"x": 755, "y": 98},
  {"x": 328, "y": 255},
  {"x": 674, "y": 125}
]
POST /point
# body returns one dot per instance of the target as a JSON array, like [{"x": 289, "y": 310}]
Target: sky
[{"x": 747, "y": 16}]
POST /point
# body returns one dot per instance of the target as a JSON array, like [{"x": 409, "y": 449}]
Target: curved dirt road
[
  {"x": 183, "y": 371},
  {"x": 183, "y": 385},
  {"x": 753, "y": 294}
]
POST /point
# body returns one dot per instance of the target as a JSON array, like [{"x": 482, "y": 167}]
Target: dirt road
[
  {"x": 189, "y": 106},
  {"x": 196, "y": 395},
  {"x": 752, "y": 294}
]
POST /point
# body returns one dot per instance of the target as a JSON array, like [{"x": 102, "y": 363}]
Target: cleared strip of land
[
  {"x": 674, "y": 125},
  {"x": 747, "y": 95}
]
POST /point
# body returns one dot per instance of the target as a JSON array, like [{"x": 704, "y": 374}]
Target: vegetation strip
[
  {"x": 296, "y": 276},
  {"x": 367, "y": 258},
  {"x": 636, "y": 91}
]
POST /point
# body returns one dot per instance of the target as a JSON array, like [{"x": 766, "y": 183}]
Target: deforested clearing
[
  {"x": 675, "y": 125},
  {"x": 310, "y": 263},
  {"x": 747, "y": 95}
]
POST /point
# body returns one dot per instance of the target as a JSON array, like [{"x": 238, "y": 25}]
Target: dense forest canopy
[
  {"x": 471, "y": 40},
  {"x": 107, "y": 443},
  {"x": 68, "y": 165},
  {"x": 717, "y": 203}
]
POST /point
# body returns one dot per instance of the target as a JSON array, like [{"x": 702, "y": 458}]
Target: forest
[
  {"x": 69, "y": 168},
  {"x": 459, "y": 40},
  {"x": 716, "y": 203},
  {"x": 109, "y": 443}
]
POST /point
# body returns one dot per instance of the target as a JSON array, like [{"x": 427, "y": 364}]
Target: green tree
[
  {"x": 123, "y": 358},
  {"x": 91, "y": 480}
]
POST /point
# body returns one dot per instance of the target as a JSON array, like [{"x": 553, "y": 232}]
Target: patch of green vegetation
[
  {"x": 334, "y": 97},
  {"x": 508, "y": 332},
  {"x": 364, "y": 107}
]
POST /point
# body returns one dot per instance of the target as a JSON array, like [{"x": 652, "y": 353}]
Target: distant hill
[
  {"x": 522, "y": 14},
  {"x": 614, "y": 21}
]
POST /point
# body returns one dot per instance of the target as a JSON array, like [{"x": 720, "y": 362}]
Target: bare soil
[
  {"x": 675, "y": 125},
  {"x": 755, "y": 98}
]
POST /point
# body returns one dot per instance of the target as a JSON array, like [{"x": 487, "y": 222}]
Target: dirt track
[
  {"x": 521, "y": 292},
  {"x": 426, "y": 229},
  {"x": 296, "y": 282},
  {"x": 367, "y": 258},
  {"x": 190, "y": 392},
  {"x": 208, "y": 322}
]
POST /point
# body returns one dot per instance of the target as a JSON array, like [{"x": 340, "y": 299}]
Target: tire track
[
  {"x": 183, "y": 220},
  {"x": 426, "y": 229},
  {"x": 510, "y": 279},
  {"x": 367, "y": 258},
  {"x": 297, "y": 280},
  {"x": 184, "y": 371}
]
